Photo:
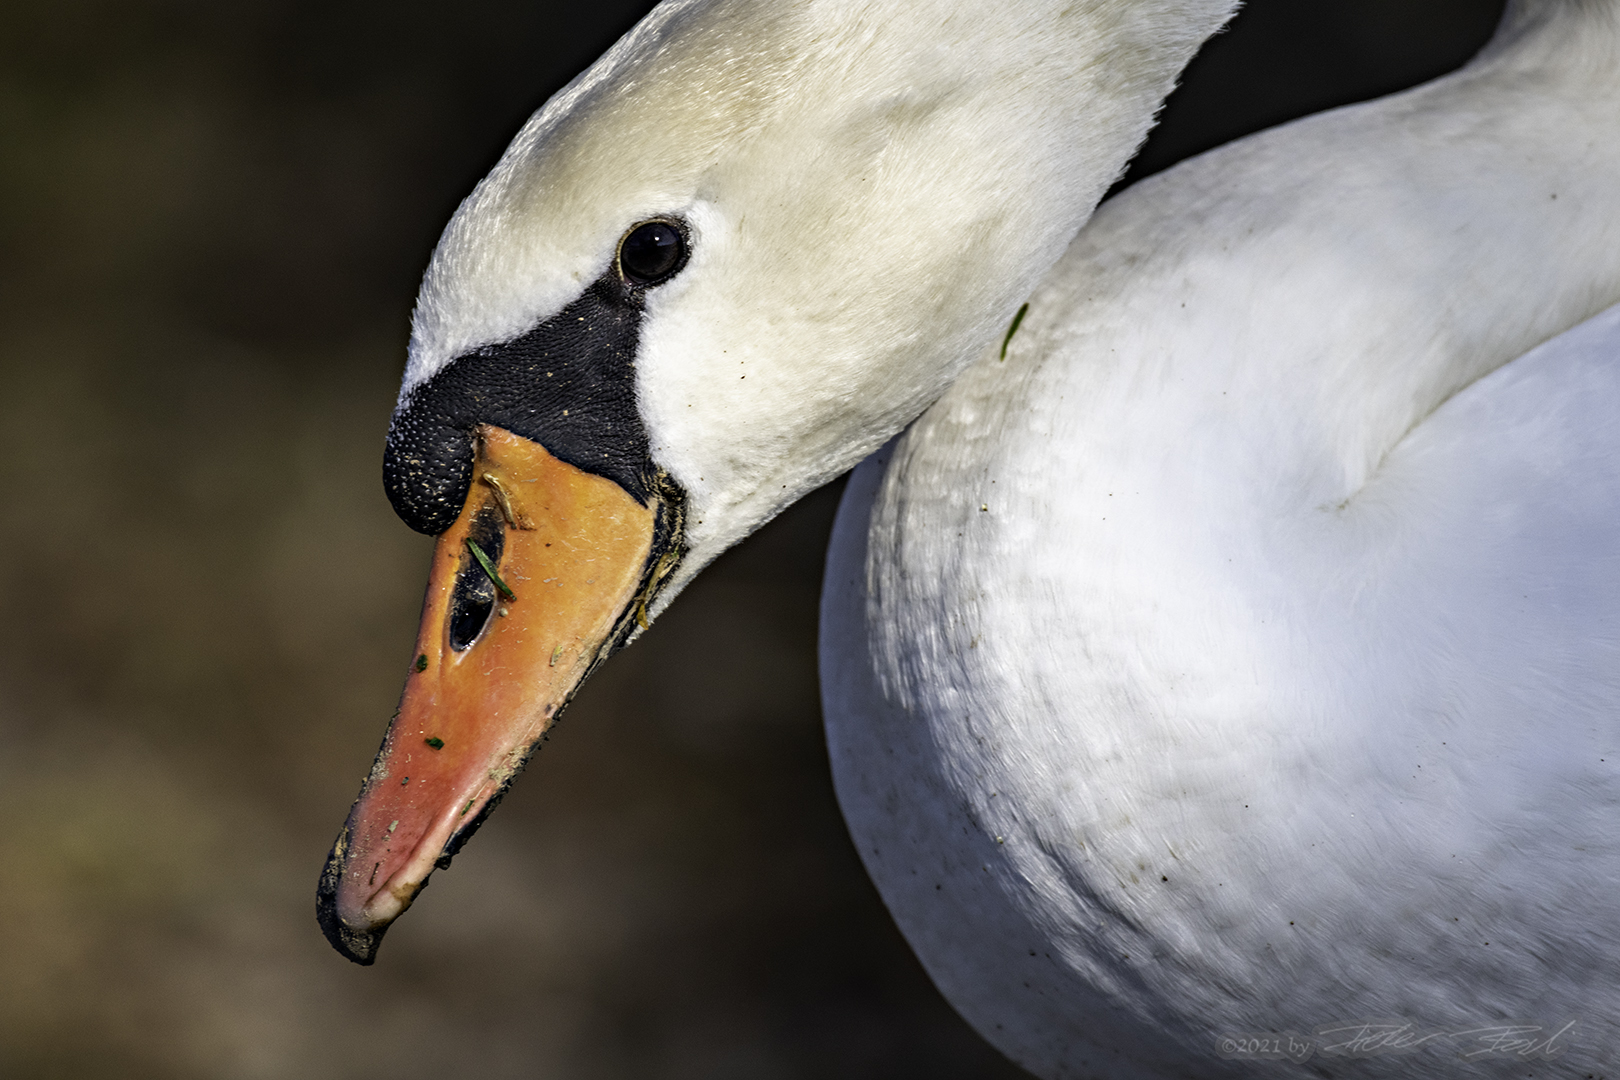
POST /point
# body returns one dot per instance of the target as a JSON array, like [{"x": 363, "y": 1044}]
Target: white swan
[{"x": 1236, "y": 655}]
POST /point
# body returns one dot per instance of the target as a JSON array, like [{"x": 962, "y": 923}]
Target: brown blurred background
[{"x": 212, "y": 220}]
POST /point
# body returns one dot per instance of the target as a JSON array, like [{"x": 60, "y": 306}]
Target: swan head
[{"x": 719, "y": 268}]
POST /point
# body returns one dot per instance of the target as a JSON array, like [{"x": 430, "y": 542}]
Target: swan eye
[{"x": 652, "y": 252}]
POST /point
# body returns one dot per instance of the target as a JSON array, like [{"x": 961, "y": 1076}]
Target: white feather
[
  {"x": 1243, "y": 653},
  {"x": 873, "y": 188}
]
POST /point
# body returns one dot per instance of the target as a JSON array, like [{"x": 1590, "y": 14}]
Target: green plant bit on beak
[
  {"x": 489, "y": 568},
  {"x": 556, "y": 654},
  {"x": 1013, "y": 329},
  {"x": 435, "y": 742},
  {"x": 421, "y": 663}
]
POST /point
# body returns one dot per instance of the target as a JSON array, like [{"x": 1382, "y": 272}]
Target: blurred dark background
[{"x": 212, "y": 220}]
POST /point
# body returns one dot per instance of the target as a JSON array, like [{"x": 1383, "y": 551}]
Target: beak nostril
[
  {"x": 478, "y": 582},
  {"x": 488, "y": 566},
  {"x": 474, "y": 600}
]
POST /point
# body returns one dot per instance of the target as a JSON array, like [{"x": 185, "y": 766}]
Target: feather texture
[{"x": 1241, "y": 653}]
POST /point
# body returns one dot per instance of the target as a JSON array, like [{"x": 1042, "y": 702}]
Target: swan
[{"x": 1220, "y": 632}]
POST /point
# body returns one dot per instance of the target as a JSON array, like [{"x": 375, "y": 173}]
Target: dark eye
[{"x": 652, "y": 252}]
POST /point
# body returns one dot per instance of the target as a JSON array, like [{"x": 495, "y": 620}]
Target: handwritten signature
[{"x": 1367, "y": 1038}]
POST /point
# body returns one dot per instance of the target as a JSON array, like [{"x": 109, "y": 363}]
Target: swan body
[
  {"x": 1237, "y": 654},
  {"x": 1242, "y": 653}
]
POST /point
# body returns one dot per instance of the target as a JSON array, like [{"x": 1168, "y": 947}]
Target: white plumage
[
  {"x": 872, "y": 188},
  {"x": 1241, "y": 653}
]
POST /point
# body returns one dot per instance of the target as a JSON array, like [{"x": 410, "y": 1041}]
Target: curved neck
[{"x": 1296, "y": 303}]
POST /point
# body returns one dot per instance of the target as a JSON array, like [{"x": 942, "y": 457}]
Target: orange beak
[{"x": 547, "y": 569}]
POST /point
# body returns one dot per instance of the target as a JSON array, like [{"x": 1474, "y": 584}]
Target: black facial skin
[{"x": 568, "y": 384}]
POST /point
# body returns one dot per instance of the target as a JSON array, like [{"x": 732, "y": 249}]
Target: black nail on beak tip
[{"x": 359, "y": 946}]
